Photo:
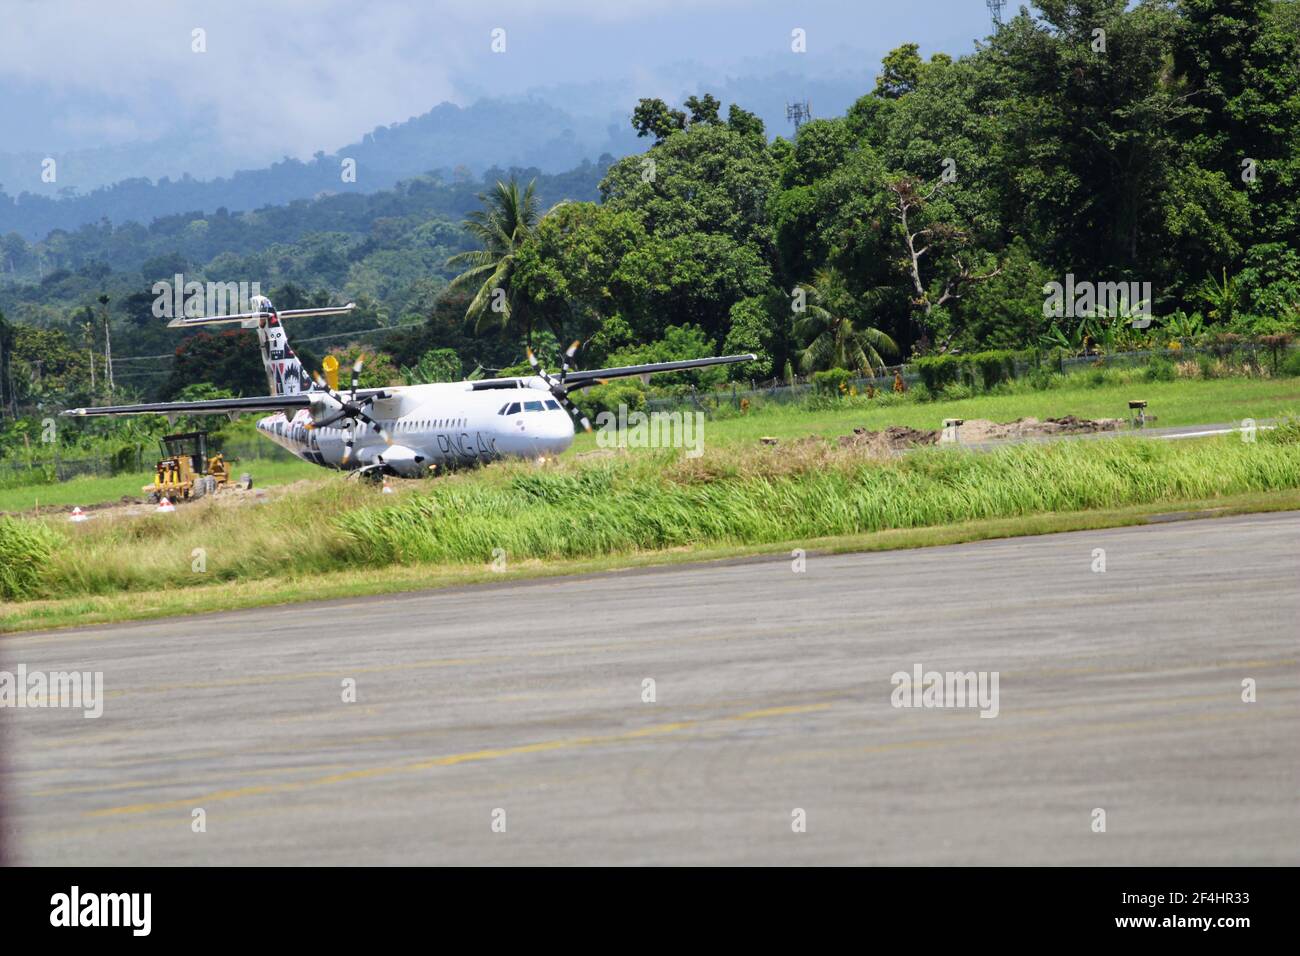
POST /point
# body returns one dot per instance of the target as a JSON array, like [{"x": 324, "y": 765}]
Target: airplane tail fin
[{"x": 285, "y": 374}]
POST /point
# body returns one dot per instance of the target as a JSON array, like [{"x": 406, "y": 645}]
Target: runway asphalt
[{"x": 522, "y": 705}]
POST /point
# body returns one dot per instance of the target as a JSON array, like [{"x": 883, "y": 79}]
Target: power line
[
  {"x": 343, "y": 335},
  {"x": 131, "y": 373}
]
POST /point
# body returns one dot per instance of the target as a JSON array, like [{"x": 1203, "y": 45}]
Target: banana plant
[
  {"x": 1222, "y": 297},
  {"x": 1181, "y": 327}
]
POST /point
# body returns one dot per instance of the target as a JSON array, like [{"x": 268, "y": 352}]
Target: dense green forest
[{"x": 1089, "y": 142}]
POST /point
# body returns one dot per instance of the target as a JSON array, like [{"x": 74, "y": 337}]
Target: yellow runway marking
[
  {"x": 175, "y": 782},
  {"x": 445, "y": 761}
]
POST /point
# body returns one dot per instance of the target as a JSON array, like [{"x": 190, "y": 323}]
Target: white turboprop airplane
[{"x": 402, "y": 430}]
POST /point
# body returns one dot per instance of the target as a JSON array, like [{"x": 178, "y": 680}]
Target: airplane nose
[{"x": 558, "y": 430}]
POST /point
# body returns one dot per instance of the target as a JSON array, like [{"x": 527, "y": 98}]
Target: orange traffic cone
[
  {"x": 77, "y": 515},
  {"x": 388, "y": 488}
]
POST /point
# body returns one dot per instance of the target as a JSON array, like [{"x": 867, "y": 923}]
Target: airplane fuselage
[{"x": 442, "y": 425}]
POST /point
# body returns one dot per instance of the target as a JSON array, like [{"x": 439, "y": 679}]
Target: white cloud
[{"x": 294, "y": 76}]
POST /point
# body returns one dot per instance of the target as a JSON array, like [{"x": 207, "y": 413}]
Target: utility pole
[
  {"x": 5, "y": 368},
  {"x": 995, "y": 11},
  {"x": 108, "y": 345},
  {"x": 90, "y": 350}
]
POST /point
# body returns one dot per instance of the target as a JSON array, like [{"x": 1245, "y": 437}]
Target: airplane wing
[
  {"x": 211, "y": 406},
  {"x": 577, "y": 378}
]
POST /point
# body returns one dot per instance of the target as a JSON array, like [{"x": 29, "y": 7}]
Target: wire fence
[{"x": 784, "y": 392}]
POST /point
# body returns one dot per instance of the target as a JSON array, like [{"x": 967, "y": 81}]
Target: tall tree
[
  {"x": 1087, "y": 143},
  {"x": 901, "y": 71},
  {"x": 928, "y": 237},
  {"x": 835, "y": 339},
  {"x": 653, "y": 117},
  {"x": 502, "y": 226},
  {"x": 704, "y": 109}
]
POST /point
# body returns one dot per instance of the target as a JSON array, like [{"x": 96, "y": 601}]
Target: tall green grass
[
  {"x": 623, "y": 503},
  {"x": 26, "y": 549},
  {"x": 291, "y": 535},
  {"x": 624, "y": 507}
]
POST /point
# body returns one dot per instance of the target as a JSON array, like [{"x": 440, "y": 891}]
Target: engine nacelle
[
  {"x": 402, "y": 461},
  {"x": 322, "y": 407}
]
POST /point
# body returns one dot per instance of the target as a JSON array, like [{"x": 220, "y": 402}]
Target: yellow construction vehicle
[{"x": 185, "y": 471}]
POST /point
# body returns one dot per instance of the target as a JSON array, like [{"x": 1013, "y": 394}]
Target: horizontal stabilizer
[{"x": 250, "y": 319}]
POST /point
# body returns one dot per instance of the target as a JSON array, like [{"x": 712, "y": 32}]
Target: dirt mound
[
  {"x": 893, "y": 438},
  {"x": 976, "y": 430},
  {"x": 897, "y": 438}
]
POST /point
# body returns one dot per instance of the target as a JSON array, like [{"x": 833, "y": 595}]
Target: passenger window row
[{"x": 422, "y": 424}]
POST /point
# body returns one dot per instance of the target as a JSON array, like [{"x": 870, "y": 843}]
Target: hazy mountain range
[{"x": 557, "y": 131}]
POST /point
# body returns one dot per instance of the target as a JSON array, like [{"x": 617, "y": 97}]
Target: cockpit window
[
  {"x": 533, "y": 406},
  {"x": 504, "y": 408},
  {"x": 552, "y": 404},
  {"x": 513, "y": 409}
]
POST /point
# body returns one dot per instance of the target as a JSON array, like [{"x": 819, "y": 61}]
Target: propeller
[
  {"x": 557, "y": 387},
  {"x": 351, "y": 409}
]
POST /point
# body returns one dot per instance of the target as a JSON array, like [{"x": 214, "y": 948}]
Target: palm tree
[
  {"x": 501, "y": 226},
  {"x": 833, "y": 339}
]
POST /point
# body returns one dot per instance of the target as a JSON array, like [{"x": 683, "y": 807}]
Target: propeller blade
[
  {"x": 576, "y": 412},
  {"x": 564, "y": 361},
  {"x": 356, "y": 376},
  {"x": 331, "y": 420},
  {"x": 347, "y": 446},
  {"x": 375, "y": 425},
  {"x": 532, "y": 359}
]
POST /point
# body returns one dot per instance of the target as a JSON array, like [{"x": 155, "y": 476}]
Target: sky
[{"x": 290, "y": 77}]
